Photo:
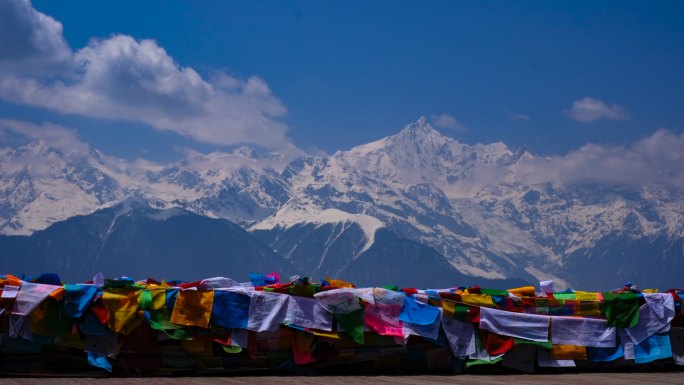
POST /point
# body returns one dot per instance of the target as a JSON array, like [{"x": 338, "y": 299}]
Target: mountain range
[{"x": 417, "y": 208}]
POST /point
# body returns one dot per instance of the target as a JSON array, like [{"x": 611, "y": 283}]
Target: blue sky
[{"x": 313, "y": 75}]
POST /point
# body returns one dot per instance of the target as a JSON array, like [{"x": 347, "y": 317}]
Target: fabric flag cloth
[
  {"x": 89, "y": 325},
  {"x": 263, "y": 280},
  {"x": 30, "y": 295},
  {"x": 481, "y": 354},
  {"x": 382, "y": 316},
  {"x": 521, "y": 358},
  {"x": 10, "y": 291},
  {"x": 653, "y": 348},
  {"x": 677, "y": 344},
  {"x": 429, "y": 331},
  {"x": 418, "y": 313},
  {"x": 353, "y": 324},
  {"x": 230, "y": 310},
  {"x": 302, "y": 346},
  {"x": 123, "y": 305},
  {"x": 527, "y": 326},
  {"x": 604, "y": 354},
  {"x": 345, "y": 307},
  {"x": 483, "y": 300},
  {"x": 547, "y": 287},
  {"x": 621, "y": 309},
  {"x": 654, "y": 317},
  {"x": 496, "y": 344},
  {"x": 77, "y": 298},
  {"x": 626, "y": 344},
  {"x": 308, "y": 313},
  {"x": 217, "y": 283},
  {"x": 193, "y": 308},
  {"x": 460, "y": 335},
  {"x": 266, "y": 311},
  {"x": 568, "y": 352},
  {"x": 104, "y": 345},
  {"x": 171, "y": 295},
  {"x": 48, "y": 320},
  {"x": 338, "y": 301},
  {"x": 582, "y": 331},
  {"x": 99, "y": 362},
  {"x": 19, "y": 327}
]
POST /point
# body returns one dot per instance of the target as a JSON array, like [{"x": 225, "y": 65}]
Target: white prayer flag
[
  {"x": 582, "y": 332},
  {"x": 527, "y": 326},
  {"x": 461, "y": 336},
  {"x": 654, "y": 317},
  {"x": 308, "y": 313},
  {"x": 266, "y": 311},
  {"x": 10, "y": 292},
  {"x": 30, "y": 296},
  {"x": 338, "y": 301}
]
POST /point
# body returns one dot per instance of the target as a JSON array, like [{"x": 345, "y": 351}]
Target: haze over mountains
[{"x": 416, "y": 208}]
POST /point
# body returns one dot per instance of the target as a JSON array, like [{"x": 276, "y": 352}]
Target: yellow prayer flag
[
  {"x": 193, "y": 308},
  {"x": 158, "y": 299},
  {"x": 122, "y": 304},
  {"x": 588, "y": 309},
  {"x": 449, "y": 307},
  {"x": 339, "y": 283},
  {"x": 477, "y": 299},
  {"x": 325, "y": 334},
  {"x": 587, "y": 296},
  {"x": 523, "y": 291}
]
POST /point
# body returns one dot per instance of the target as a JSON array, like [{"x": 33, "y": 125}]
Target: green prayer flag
[
  {"x": 483, "y": 362},
  {"x": 621, "y": 309},
  {"x": 495, "y": 292},
  {"x": 146, "y": 299},
  {"x": 546, "y": 344},
  {"x": 353, "y": 324},
  {"x": 461, "y": 312}
]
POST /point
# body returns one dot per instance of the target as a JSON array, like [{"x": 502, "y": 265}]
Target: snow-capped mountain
[
  {"x": 483, "y": 209},
  {"x": 40, "y": 185}
]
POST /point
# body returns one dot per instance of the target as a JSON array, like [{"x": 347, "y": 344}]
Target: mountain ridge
[{"x": 482, "y": 207}]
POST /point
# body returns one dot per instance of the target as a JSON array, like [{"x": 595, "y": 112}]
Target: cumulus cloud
[
  {"x": 31, "y": 42},
  {"x": 656, "y": 159},
  {"x": 120, "y": 77},
  {"x": 589, "y": 109},
  {"x": 38, "y": 157},
  {"x": 448, "y": 122},
  {"x": 56, "y": 136}
]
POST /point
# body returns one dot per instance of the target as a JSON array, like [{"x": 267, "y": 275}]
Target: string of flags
[{"x": 128, "y": 327}]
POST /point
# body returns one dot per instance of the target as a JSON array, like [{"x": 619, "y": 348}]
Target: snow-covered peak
[
  {"x": 417, "y": 154},
  {"x": 298, "y": 212},
  {"x": 131, "y": 203}
]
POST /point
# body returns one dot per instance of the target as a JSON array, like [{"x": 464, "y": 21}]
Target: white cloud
[
  {"x": 518, "y": 117},
  {"x": 589, "y": 109},
  {"x": 446, "y": 121},
  {"x": 30, "y": 42},
  {"x": 47, "y": 141},
  {"x": 123, "y": 78},
  {"x": 656, "y": 159},
  {"x": 56, "y": 136}
]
